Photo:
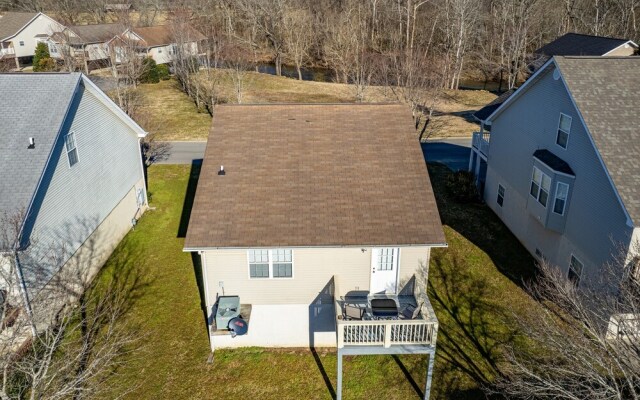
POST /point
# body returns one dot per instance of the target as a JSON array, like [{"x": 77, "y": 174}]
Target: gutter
[{"x": 200, "y": 249}]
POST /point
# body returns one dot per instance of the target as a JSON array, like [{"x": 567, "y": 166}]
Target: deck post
[
  {"x": 339, "y": 373},
  {"x": 427, "y": 388}
]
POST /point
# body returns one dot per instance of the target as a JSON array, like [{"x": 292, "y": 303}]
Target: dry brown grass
[{"x": 173, "y": 116}]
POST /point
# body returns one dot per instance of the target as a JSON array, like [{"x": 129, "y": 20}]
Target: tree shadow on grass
[
  {"x": 187, "y": 206},
  {"x": 479, "y": 224}
]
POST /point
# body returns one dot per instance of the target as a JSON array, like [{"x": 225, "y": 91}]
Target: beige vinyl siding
[
  {"x": 594, "y": 217},
  {"x": 312, "y": 270},
  {"x": 624, "y": 50},
  {"x": 42, "y": 25}
]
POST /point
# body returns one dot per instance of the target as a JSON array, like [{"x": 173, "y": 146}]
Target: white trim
[
  {"x": 631, "y": 42},
  {"x": 537, "y": 198},
  {"x": 375, "y": 253},
  {"x": 345, "y": 246},
  {"x": 554, "y": 171},
  {"x": 95, "y": 90},
  {"x": 555, "y": 197},
  {"x": 519, "y": 91},
  {"x": 581, "y": 269},
  {"x": 504, "y": 190},
  {"x": 27, "y": 24},
  {"x": 270, "y": 259},
  {"x": 75, "y": 147},
  {"x": 558, "y": 129}
]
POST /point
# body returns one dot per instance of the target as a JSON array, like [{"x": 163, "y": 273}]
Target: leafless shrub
[{"x": 585, "y": 342}]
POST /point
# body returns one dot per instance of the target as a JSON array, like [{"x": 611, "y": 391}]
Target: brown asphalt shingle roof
[
  {"x": 607, "y": 93},
  {"x": 12, "y": 22},
  {"x": 161, "y": 35},
  {"x": 313, "y": 175}
]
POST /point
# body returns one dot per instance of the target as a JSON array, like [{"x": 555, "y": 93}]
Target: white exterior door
[{"x": 384, "y": 270}]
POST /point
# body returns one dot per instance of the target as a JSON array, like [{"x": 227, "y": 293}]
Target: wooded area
[{"x": 379, "y": 41}]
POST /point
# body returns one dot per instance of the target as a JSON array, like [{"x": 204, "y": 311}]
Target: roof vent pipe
[
  {"x": 32, "y": 143},
  {"x": 222, "y": 171}
]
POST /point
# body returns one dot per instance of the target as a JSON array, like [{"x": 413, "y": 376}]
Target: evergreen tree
[{"x": 42, "y": 60}]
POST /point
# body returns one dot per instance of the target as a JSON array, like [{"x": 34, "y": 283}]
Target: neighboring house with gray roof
[
  {"x": 20, "y": 32},
  {"x": 161, "y": 42},
  {"x": 562, "y": 165},
  {"x": 72, "y": 178},
  {"x": 85, "y": 44}
]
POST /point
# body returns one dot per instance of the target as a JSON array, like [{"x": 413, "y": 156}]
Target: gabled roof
[
  {"x": 313, "y": 175},
  {"x": 606, "y": 91},
  {"x": 162, "y": 35},
  {"x": 12, "y": 22},
  {"x": 35, "y": 105},
  {"x": 96, "y": 33},
  {"x": 487, "y": 110},
  {"x": 575, "y": 44}
]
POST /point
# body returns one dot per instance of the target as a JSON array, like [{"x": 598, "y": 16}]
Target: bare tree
[
  {"x": 298, "y": 36},
  {"x": 586, "y": 340}
]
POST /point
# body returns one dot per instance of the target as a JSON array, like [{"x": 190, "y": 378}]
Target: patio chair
[
  {"x": 410, "y": 311},
  {"x": 352, "y": 312}
]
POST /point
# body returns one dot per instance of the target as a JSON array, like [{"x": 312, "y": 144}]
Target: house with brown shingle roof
[
  {"x": 161, "y": 42},
  {"x": 20, "y": 33},
  {"x": 318, "y": 221},
  {"x": 86, "y": 44}
]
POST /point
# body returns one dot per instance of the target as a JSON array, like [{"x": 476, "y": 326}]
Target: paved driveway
[{"x": 454, "y": 153}]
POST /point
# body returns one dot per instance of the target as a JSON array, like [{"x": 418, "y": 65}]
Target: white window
[
  {"x": 72, "y": 151},
  {"x": 575, "y": 270},
  {"x": 277, "y": 263},
  {"x": 562, "y": 191},
  {"x": 564, "y": 127},
  {"x": 386, "y": 259},
  {"x": 540, "y": 186},
  {"x": 500, "y": 199}
]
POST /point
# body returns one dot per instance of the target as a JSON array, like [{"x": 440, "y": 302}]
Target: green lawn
[{"x": 470, "y": 293}]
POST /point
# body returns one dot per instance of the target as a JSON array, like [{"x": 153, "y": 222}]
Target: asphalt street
[{"x": 452, "y": 152}]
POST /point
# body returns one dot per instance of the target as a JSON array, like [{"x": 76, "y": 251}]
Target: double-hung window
[
  {"x": 564, "y": 127},
  {"x": 575, "y": 270},
  {"x": 540, "y": 186},
  {"x": 500, "y": 199},
  {"x": 72, "y": 151},
  {"x": 276, "y": 263},
  {"x": 562, "y": 191}
]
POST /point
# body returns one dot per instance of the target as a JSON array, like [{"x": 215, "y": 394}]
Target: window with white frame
[
  {"x": 72, "y": 151},
  {"x": 500, "y": 199},
  {"x": 540, "y": 186},
  {"x": 21, "y": 43},
  {"x": 386, "y": 259},
  {"x": 575, "y": 270},
  {"x": 562, "y": 191},
  {"x": 564, "y": 127},
  {"x": 276, "y": 263}
]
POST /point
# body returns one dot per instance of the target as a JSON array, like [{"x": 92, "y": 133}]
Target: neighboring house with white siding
[
  {"x": 20, "y": 33},
  {"x": 315, "y": 223},
  {"x": 72, "y": 175},
  {"x": 85, "y": 45},
  {"x": 160, "y": 42},
  {"x": 562, "y": 163}
]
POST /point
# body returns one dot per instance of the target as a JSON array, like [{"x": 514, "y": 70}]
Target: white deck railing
[
  {"x": 388, "y": 333},
  {"x": 481, "y": 142}
]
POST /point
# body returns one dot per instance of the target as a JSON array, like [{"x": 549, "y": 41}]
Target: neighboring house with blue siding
[
  {"x": 72, "y": 178},
  {"x": 562, "y": 165}
]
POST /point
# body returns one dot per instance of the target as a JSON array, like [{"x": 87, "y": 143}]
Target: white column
[
  {"x": 427, "y": 388},
  {"x": 339, "y": 373}
]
